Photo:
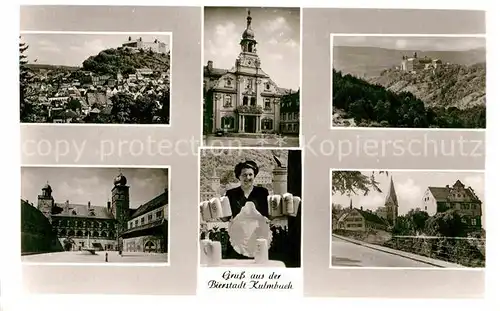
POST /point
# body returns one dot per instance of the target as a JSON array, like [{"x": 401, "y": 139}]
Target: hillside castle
[
  {"x": 138, "y": 44},
  {"x": 415, "y": 64}
]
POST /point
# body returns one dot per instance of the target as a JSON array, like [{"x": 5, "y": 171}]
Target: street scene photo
[
  {"x": 250, "y": 208},
  {"x": 408, "y": 81},
  {"x": 97, "y": 78},
  {"x": 251, "y": 77},
  {"x": 421, "y": 219},
  {"x": 94, "y": 215}
]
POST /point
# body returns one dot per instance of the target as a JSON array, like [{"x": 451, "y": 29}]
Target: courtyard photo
[{"x": 94, "y": 215}]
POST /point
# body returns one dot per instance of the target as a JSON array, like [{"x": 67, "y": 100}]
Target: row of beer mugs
[{"x": 278, "y": 205}]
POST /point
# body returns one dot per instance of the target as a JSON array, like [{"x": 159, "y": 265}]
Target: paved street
[
  {"x": 80, "y": 257},
  {"x": 283, "y": 142},
  {"x": 348, "y": 254}
]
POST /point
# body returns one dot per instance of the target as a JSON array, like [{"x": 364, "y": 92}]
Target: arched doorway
[{"x": 149, "y": 247}]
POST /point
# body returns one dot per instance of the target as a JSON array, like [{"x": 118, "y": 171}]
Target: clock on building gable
[{"x": 250, "y": 61}]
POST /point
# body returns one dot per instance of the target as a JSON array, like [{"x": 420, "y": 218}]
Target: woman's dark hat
[{"x": 247, "y": 164}]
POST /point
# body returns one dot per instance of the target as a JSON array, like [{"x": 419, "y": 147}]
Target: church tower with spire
[{"x": 391, "y": 204}]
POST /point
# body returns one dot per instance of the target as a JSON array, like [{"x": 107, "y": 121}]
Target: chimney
[
  {"x": 361, "y": 207},
  {"x": 109, "y": 206},
  {"x": 210, "y": 65},
  {"x": 88, "y": 206}
]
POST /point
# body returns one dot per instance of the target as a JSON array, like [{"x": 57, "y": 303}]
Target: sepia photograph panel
[
  {"x": 250, "y": 208},
  {"x": 408, "y": 219},
  {"x": 94, "y": 215},
  {"x": 251, "y": 77},
  {"x": 95, "y": 78},
  {"x": 408, "y": 81}
]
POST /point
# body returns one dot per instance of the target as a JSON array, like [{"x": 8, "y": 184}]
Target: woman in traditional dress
[{"x": 246, "y": 172}]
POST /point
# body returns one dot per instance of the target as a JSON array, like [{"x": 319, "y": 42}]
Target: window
[
  {"x": 227, "y": 122},
  {"x": 252, "y": 101},
  {"x": 136, "y": 222},
  {"x": 267, "y": 124},
  {"x": 227, "y": 101},
  {"x": 473, "y": 222},
  {"x": 228, "y": 82},
  {"x": 159, "y": 214},
  {"x": 268, "y": 86},
  {"x": 267, "y": 104},
  {"x": 142, "y": 221},
  {"x": 245, "y": 100},
  {"x": 150, "y": 217}
]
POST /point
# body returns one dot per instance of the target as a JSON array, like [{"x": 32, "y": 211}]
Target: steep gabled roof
[
  {"x": 82, "y": 210},
  {"x": 440, "y": 193},
  {"x": 155, "y": 203},
  {"x": 214, "y": 72},
  {"x": 371, "y": 217}
]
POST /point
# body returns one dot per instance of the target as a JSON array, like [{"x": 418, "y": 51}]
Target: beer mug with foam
[
  {"x": 296, "y": 203},
  {"x": 274, "y": 205},
  {"x": 288, "y": 204},
  {"x": 204, "y": 250},
  {"x": 215, "y": 208},
  {"x": 205, "y": 211},
  {"x": 261, "y": 251},
  {"x": 226, "y": 207},
  {"x": 213, "y": 253}
]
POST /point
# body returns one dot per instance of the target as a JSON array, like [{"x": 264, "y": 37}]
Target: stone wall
[{"x": 36, "y": 232}]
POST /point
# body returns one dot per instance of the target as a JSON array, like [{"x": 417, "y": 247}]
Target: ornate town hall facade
[{"x": 243, "y": 99}]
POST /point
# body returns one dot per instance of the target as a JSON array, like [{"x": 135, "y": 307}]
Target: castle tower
[
  {"x": 45, "y": 200},
  {"x": 120, "y": 203},
  {"x": 215, "y": 182},
  {"x": 391, "y": 204}
]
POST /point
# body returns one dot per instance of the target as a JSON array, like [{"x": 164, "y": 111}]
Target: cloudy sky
[
  {"x": 410, "y": 187},
  {"x": 413, "y": 43},
  {"x": 80, "y": 185},
  {"x": 277, "y": 31},
  {"x": 72, "y": 49}
]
